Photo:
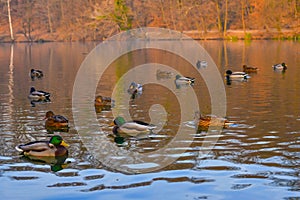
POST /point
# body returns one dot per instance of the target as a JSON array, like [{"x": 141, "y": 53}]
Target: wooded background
[{"x": 74, "y": 20}]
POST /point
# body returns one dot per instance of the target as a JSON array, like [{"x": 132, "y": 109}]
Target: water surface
[{"x": 255, "y": 158}]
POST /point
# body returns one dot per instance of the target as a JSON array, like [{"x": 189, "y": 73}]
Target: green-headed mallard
[
  {"x": 35, "y": 73},
  {"x": 38, "y": 95},
  {"x": 249, "y": 69},
  {"x": 55, "y": 121},
  {"x": 236, "y": 75},
  {"x": 56, "y": 146},
  {"x": 133, "y": 128},
  {"x": 280, "y": 66},
  {"x": 184, "y": 80}
]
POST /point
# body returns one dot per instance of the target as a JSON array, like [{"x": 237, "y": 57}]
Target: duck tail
[{"x": 19, "y": 149}]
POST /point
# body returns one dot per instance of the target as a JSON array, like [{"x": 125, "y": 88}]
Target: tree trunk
[
  {"x": 225, "y": 18},
  {"x": 62, "y": 11},
  {"x": 219, "y": 16},
  {"x": 49, "y": 17},
  {"x": 243, "y": 15},
  {"x": 10, "y": 22}
]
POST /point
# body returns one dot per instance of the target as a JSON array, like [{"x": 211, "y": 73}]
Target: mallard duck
[
  {"x": 38, "y": 95},
  {"x": 201, "y": 63},
  {"x": 103, "y": 101},
  {"x": 163, "y": 74},
  {"x": 134, "y": 128},
  {"x": 184, "y": 80},
  {"x": 135, "y": 90},
  {"x": 236, "y": 75},
  {"x": 55, "y": 121},
  {"x": 249, "y": 69},
  {"x": 280, "y": 66},
  {"x": 56, "y": 146},
  {"x": 206, "y": 121},
  {"x": 35, "y": 73}
]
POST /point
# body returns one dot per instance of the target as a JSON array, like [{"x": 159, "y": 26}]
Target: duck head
[
  {"x": 178, "y": 76},
  {"x": 228, "y": 72},
  {"x": 49, "y": 114},
  {"x": 99, "y": 99},
  {"x": 284, "y": 65},
  {"x": 57, "y": 140},
  {"x": 32, "y": 89},
  {"x": 119, "y": 121}
]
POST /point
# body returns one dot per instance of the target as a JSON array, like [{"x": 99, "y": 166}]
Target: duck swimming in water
[
  {"x": 134, "y": 128},
  {"x": 135, "y": 90},
  {"x": 249, "y": 69},
  {"x": 280, "y": 67},
  {"x": 184, "y": 80},
  {"x": 239, "y": 76},
  {"x": 56, "y": 146},
  {"x": 206, "y": 121},
  {"x": 36, "y": 74},
  {"x": 55, "y": 122},
  {"x": 38, "y": 95}
]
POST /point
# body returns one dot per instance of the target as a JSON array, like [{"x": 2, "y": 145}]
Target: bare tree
[
  {"x": 219, "y": 15},
  {"x": 10, "y": 22},
  {"x": 49, "y": 17},
  {"x": 225, "y": 18}
]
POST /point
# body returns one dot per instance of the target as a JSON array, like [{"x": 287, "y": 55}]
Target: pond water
[{"x": 257, "y": 157}]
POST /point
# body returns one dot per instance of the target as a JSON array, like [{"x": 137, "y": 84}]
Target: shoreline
[{"x": 231, "y": 35}]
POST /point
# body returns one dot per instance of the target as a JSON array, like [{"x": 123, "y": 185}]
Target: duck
[
  {"x": 55, "y": 121},
  {"x": 35, "y": 73},
  {"x": 206, "y": 121},
  {"x": 135, "y": 90},
  {"x": 55, "y": 147},
  {"x": 235, "y": 75},
  {"x": 201, "y": 63},
  {"x": 163, "y": 74},
  {"x": 184, "y": 80},
  {"x": 280, "y": 66},
  {"x": 249, "y": 69},
  {"x": 103, "y": 101},
  {"x": 38, "y": 95},
  {"x": 133, "y": 128}
]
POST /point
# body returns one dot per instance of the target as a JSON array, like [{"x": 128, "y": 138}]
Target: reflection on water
[{"x": 257, "y": 155}]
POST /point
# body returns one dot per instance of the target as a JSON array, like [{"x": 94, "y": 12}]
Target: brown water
[{"x": 255, "y": 158}]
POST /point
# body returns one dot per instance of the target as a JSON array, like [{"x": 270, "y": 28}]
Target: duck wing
[
  {"x": 60, "y": 118},
  {"x": 149, "y": 126},
  {"x": 37, "y": 146},
  {"x": 239, "y": 73},
  {"x": 40, "y": 93},
  {"x": 133, "y": 129}
]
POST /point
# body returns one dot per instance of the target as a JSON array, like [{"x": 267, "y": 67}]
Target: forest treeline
[{"x": 74, "y": 20}]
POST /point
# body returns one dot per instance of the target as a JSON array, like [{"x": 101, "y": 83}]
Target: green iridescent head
[{"x": 57, "y": 140}]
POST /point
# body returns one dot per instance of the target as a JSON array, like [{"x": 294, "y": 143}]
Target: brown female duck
[
  {"x": 55, "y": 121},
  {"x": 249, "y": 69}
]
